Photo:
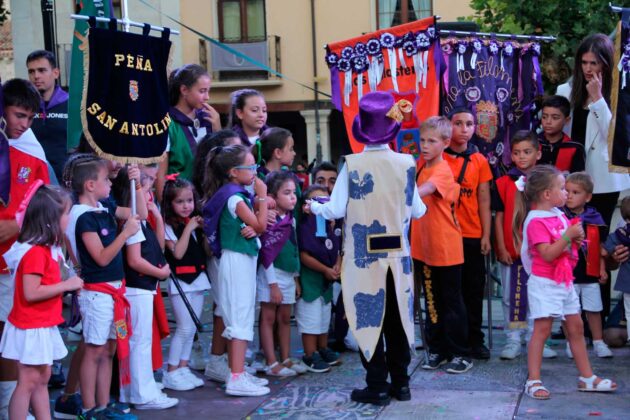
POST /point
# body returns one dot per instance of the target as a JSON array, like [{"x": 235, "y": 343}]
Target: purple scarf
[
  {"x": 623, "y": 235},
  {"x": 274, "y": 238},
  {"x": 59, "y": 96},
  {"x": 589, "y": 216},
  {"x": 212, "y": 214},
  {"x": 325, "y": 250},
  {"x": 238, "y": 129},
  {"x": 183, "y": 119}
]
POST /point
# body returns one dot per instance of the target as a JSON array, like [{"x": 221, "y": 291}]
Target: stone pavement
[{"x": 490, "y": 390}]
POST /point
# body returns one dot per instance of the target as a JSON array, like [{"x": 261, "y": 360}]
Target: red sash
[
  {"x": 122, "y": 324},
  {"x": 593, "y": 243},
  {"x": 565, "y": 158},
  {"x": 507, "y": 191}
]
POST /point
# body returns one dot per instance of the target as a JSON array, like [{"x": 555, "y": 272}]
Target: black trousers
[
  {"x": 605, "y": 204},
  {"x": 397, "y": 357},
  {"x": 446, "y": 324},
  {"x": 473, "y": 287}
]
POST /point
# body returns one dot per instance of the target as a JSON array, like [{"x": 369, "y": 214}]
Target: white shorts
[
  {"x": 213, "y": 274},
  {"x": 286, "y": 283},
  {"x": 313, "y": 317},
  {"x": 237, "y": 294},
  {"x": 590, "y": 296},
  {"x": 6, "y": 296},
  {"x": 546, "y": 298},
  {"x": 33, "y": 346},
  {"x": 97, "y": 313}
]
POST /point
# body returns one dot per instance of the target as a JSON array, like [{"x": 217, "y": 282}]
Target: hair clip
[
  {"x": 258, "y": 146},
  {"x": 172, "y": 177},
  {"x": 21, "y": 212}
]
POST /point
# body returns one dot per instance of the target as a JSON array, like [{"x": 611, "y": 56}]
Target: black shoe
[
  {"x": 434, "y": 361},
  {"x": 401, "y": 394},
  {"x": 459, "y": 365},
  {"x": 367, "y": 396},
  {"x": 480, "y": 352}
]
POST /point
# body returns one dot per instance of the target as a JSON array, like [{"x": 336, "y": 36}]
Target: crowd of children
[{"x": 225, "y": 214}]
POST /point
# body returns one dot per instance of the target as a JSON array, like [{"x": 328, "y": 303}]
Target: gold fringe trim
[
  {"x": 125, "y": 160},
  {"x": 614, "y": 101}
]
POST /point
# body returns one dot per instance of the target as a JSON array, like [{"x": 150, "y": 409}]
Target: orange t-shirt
[
  {"x": 436, "y": 238},
  {"x": 467, "y": 210}
]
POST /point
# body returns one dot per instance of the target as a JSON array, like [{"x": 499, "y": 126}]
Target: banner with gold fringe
[
  {"x": 400, "y": 60},
  {"x": 124, "y": 108}
]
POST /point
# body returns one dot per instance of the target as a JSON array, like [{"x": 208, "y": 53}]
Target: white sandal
[
  {"x": 533, "y": 386},
  {"x": 604, "y": 385},
  {"x": 285, "y": 371}
]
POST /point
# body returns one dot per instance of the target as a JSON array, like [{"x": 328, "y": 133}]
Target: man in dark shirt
[{"x": 50, "y": 123}]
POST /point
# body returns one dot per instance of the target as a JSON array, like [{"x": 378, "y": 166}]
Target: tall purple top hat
[{"x": 372, "y": 125}]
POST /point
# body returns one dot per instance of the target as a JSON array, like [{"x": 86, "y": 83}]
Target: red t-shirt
[
  {"x": 45, "y": 313},
  {"x": 25, "y": 169}
]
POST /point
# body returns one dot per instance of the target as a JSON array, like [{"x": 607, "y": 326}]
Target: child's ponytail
[{"x": 219, "y": 162}]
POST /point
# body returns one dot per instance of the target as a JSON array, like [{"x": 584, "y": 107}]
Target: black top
[
  {"x": 104, "y": 224},
  {"x": 193, "y": 262},
  {"x": 578, "y": 128},
  {"x": 151, "y": 251}
]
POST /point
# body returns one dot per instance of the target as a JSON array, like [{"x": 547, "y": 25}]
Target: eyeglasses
[{"x": 252, "y": 168}]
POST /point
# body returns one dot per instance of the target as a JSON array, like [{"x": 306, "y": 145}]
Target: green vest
[
  {"x": 289, "y": 258},
  {"x": 314, "y": 285},
  {"x": 230, "y": 228},
  {"x": 180, "y": 157}
]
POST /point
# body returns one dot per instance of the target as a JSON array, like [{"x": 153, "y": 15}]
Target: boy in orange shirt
[
  {"x": 436, "y": 247},
  {"x": 472, "y": 172}
]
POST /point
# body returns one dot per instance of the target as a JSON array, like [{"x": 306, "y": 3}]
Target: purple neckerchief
[
  {"x": 516, "y": 173},
  {"x": 5, "y": 165},
  {"x": 274, "y": 238},
  {"x": 184, "y": 120},
  {"x": 212, "y": 213},
  {"x": 238, "y": 129},
  {"x": 59, "y": 96},
  {"x": 325, "y": 250},
  {"x": 623, "y": 235},
  {"x": 589, "y": 216}
]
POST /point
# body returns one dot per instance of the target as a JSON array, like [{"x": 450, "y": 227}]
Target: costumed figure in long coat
[{"x": 377, "y": 195}]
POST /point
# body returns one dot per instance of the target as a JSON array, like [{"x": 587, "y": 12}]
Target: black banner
[
  {"x": 619, "y": 131},
  {"x": 124, "y": 107}
]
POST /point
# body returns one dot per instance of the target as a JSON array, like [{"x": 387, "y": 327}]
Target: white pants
[
  {"x": 237, "y": 294},
  {"x": 142, "y": 388},
  {"x": 515, "y": 333},
  {"x": 182, "y": 341}
]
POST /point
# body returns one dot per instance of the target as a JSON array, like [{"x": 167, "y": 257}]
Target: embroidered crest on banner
[
  {"x": 134, "y": 93},
  {"x": 487, "y": 120}
]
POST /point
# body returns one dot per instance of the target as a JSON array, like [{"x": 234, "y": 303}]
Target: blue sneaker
[
  {"x": 91, "y": 415},
  {"x": 57, "y": 378},
  {"x": 329, "y": 356},
  {"x": 115, "y": 414},
  {"x": 68, "y": 406},
  {"x": 120, "y": 406}
]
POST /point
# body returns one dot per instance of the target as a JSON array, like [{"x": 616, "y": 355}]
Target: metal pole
[
  {"x": 130, "y": 22},
  {"x": 318, "y": 139},
  {"x": 447, "y": 33},
  {"x": 49, "y": 26}
]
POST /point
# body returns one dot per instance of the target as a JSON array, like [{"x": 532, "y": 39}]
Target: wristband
[
  {"x": 261, "y": 199},
  {"x": 566, "y": 238}
]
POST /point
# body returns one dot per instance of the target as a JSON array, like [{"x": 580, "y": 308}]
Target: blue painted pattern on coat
[
  {"x": 411, "y": 182},
  {"x": 410, "y": 303},
  {"x": 360, "y": 232},
  {"x": 359, "y": 188},
  {"x": 369, "y": 308},
  {"x": 406, "y": 264}
]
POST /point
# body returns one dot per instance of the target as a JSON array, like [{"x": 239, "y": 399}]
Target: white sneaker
[
  {"x": 297, "y": 365},
  {"x": 511, "y": 350},
  {"x": 242, "y": 386},
  {"x": 198, "y": 358},
  {"x": 549, "y": 353},
  {"x": 197, "y": 382},
  {"x": 568, "y": 351},
  {"x": 177, "y": 381},
  {"x": 160, "y": 403},
  {"x": 217, "y": 369},
  {"x": 256, "y": 380},
  {"x": 601, "y": 349},
  {"x": 256, "y": 366},
  {"x": 159, "y": 385}
]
